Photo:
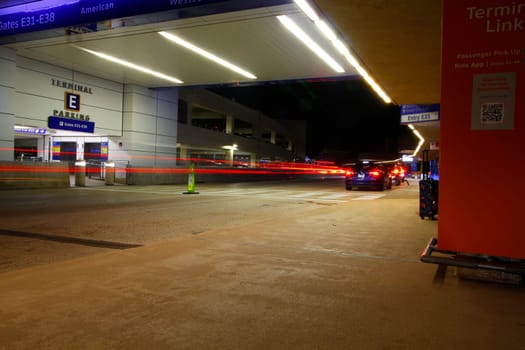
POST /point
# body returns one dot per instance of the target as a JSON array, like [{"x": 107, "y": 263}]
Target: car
[
  {"x": 367, "y": 174},
  {"x": 398, "y": 173}
]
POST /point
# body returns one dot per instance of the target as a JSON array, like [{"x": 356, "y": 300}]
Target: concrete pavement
[{"x": 343, "y": 276}]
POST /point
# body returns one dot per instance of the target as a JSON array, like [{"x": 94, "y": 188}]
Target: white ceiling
[{"x": 254, "y": 40}]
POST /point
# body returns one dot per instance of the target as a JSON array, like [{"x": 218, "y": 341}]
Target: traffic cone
[{"x": 191, "y": 181}]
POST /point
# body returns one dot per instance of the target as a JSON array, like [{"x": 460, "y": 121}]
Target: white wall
[
  {"x": 36, "y": 97},
  {"x": 150, "y": 126},
  {"x": 140, "y": 124}
]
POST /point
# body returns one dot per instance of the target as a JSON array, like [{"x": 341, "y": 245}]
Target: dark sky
[{"x": 343, "y": 115}]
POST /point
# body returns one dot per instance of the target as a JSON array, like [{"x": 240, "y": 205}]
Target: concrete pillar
[
  {"x": 7, "y": 103},
  {"x": 150, "y": 125},
  {"x": 110, "y": 173},
  {"x": 80, "y": 173},
  {"x": 273, "y": 137},
  {"x": 184, "y": 154},
  {"x": 229, "y": 156},
  {"x": 189, "y": 114},
  {"x": 229, "y": 124}
]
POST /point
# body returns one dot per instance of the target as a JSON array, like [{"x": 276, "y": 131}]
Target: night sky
[{"x": 342, "y": 116}]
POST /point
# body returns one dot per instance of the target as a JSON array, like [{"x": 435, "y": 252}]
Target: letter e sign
[{"x": 72, "y": 101}]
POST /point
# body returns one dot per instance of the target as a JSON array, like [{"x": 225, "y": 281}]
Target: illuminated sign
[
  {"x": 411, "y": 114},
  {"x": 30, "y": 130},
  {"x": 71, "y": 124},
  {"x": 48, "y": 14}
]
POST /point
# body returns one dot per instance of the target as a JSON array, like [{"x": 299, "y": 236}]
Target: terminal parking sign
[
  {"x": 71, "y": 124},
  {"x": 72, "y": 101}
]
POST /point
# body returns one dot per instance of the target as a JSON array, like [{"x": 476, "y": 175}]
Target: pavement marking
[
  {"x": 369, "y": 197},
  {"x": 307, "y": 194},
  {"x": 244, "y": 192},
  {"x": 276, "y": 194},
  {"x": 338, "y": 196}
]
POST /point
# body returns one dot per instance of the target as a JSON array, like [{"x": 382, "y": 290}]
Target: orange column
[{"x": 482, "y": 164}]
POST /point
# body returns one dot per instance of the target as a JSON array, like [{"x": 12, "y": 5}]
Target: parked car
[{"x": 367, "y": 175}]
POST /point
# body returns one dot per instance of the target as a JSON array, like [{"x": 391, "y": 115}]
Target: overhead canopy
[{"x": 397, "y": 42}]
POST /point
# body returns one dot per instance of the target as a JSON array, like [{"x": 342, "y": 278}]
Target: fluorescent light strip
[
  {"x": 340, "y": 46},
  {"x": 309, "y": 11},
  {"x": 326, "y": 30},
  {"x": 421, "y": 139},
  {"x": 207, "y": 55},
  {"x": 131, "y": 65},
  {"x": 312, "y": 45},
  {"x": 351, "y": 59}
]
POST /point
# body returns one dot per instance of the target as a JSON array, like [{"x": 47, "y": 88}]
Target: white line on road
[{"x": 369, "y": 197}]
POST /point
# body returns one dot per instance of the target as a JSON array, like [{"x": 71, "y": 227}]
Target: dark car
[{"x": 368, "y": 175}]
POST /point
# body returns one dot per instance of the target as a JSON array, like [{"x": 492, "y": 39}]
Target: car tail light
[
  {"x": 395, "y": 171},
  {"x": 374, "y": 173},
  {"x": 349, "y": 173}
]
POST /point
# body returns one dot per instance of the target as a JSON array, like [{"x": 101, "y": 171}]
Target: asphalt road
[
  {"x": 275, "y": 265},
  {"x": 40, "y": 226}
]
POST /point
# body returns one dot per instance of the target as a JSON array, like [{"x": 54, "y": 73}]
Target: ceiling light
[
  {"x": 421, "y": 142},
  {"x": 131, "y": 65},
  {"x": 325, "y": 29},
  {"x": 339, "y": 45},
  {"x": 309, "y": 11},
  {"x": 207, "y": 55},
  {"x": 351, "y": 59},
  {"x": 231, "y": 148},
  {"x": 312, "y": 45},
  {"x": 377, "y": 89}
]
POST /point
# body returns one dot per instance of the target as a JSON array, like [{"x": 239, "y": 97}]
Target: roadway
[
  {"x": 138, "y": 215},
  {"x": 298, "y": 264}
]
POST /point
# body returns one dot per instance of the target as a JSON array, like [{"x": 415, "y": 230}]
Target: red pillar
[{"x": 482, "y": 162}]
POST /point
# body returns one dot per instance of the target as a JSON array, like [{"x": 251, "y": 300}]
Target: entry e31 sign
[
  {"x": 71, "y": 101},
  {"x": 411, "y": 114}
]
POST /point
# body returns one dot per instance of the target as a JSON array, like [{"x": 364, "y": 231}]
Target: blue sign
[
  {"x": 47, "y": 14},
  {"x": 29, "y": 130},
  {"x": 419, "y": 113},
  {"x": 71, "y": 124}
]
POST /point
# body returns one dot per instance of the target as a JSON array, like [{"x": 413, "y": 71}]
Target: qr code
[{"x": 492, "y": 113}]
